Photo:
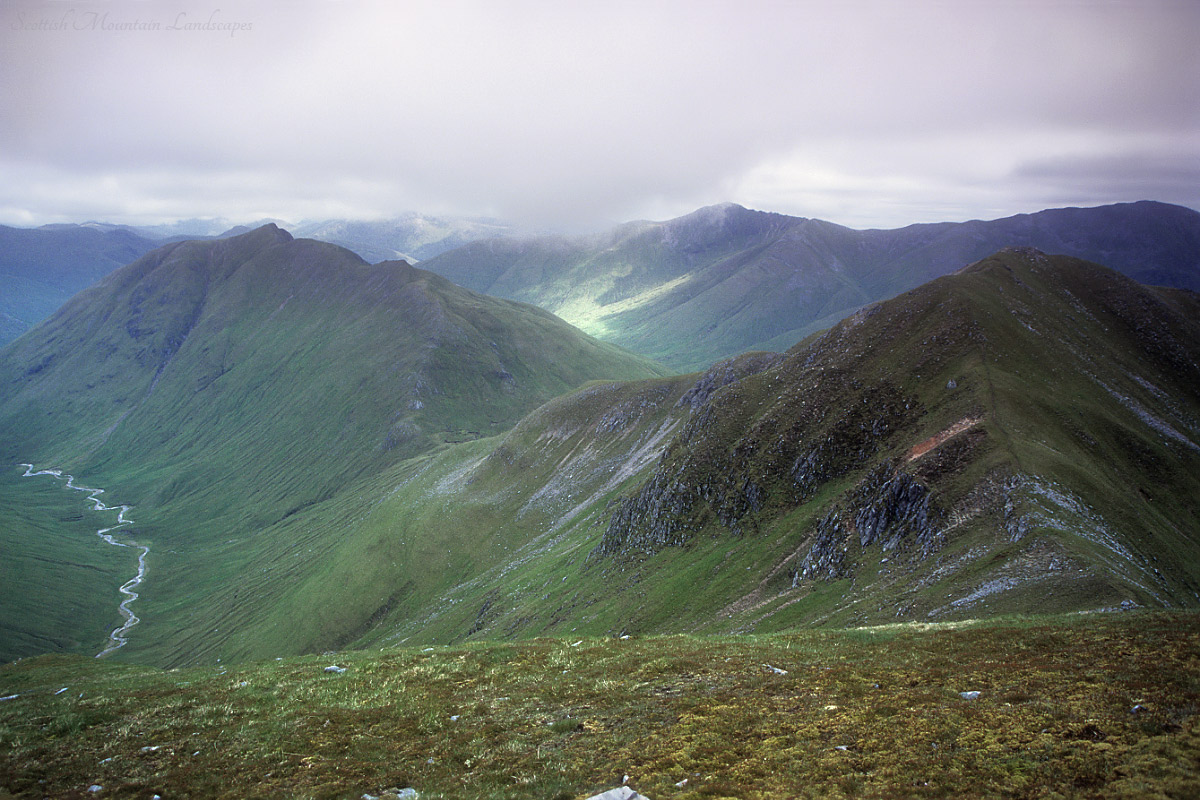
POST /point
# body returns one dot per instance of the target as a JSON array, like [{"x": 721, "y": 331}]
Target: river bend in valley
[{"x": 117, "y": 638}]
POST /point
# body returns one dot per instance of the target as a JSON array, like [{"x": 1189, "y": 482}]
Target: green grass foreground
[{"x": 1081, "y": 706}]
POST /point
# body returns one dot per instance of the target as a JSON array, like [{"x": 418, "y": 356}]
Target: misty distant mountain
[
  {"x": 724, "y": 280},
  {"x": 41, "y": 268},
  {"x": 687, "y": 292},
  {"x": 408, "y": 237},
  {"x": 195, "y": 228},
  {"x": 411, "y": 236}
]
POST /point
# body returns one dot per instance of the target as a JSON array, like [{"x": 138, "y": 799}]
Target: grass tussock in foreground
[{"x": 1087, "y": 706}]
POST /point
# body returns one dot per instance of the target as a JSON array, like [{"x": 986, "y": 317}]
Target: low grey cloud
[
  {"x": 1171, "y": 176},
  {"x": 866, "y": 112}
]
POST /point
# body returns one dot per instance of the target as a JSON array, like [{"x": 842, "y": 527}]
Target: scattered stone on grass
[
  {"x": 620, "y": 793},
  {"x": 335, "y": 669}
]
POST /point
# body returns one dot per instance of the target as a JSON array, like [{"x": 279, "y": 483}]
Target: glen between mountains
[{"x": 323, "y": 453}]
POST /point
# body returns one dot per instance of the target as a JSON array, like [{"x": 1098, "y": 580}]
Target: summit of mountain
[{"x": 411, "y": 236}]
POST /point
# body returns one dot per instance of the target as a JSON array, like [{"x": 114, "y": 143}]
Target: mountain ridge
[
  {"x": 713, "y": 275},
  {"x": 726, "y": 279},
  {"x": 812, "y": 489}
]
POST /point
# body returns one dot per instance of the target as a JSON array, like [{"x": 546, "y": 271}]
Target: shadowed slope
[{"x": 41, "y": 268}]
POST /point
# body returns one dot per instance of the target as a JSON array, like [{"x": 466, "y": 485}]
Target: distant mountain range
[
  {"x": 322, "y": 454},
  {"x": 408, "y": 236},
  {"x": 41, "y": 268},
  {"x": 725, "y": 280},
  {"x": 411, "y": 237},
  {"x": 686, "y": 292}
]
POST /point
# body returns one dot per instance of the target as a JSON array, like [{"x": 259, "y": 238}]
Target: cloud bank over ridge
[{"x": 868, "y": 113}]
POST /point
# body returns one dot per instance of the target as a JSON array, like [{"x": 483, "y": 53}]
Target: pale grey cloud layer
[{"x": 866, "y": 112}]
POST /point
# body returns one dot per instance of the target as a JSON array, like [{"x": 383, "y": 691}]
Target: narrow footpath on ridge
[{"x": 117, "y": 638}]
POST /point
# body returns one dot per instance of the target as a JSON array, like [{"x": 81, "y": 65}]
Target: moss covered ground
[{"x": 1078, "y": 706}]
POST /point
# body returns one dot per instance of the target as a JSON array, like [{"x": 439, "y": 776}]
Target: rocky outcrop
[
  {"x": 850, "y": 441},
  {"x": 887, "y": 508},
  {"x": 826, "y": 558},
  {"x": 806, "y": 436},
  {"x": 726, "y": 372},
  {"x": 654, "y": 518},
  {"x": 890, "y": 508}
]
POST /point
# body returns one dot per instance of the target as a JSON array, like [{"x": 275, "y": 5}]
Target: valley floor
[{"x": 1080, "y": 706}]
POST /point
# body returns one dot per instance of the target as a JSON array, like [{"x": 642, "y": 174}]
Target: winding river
[{"x": 117, "y": 638}]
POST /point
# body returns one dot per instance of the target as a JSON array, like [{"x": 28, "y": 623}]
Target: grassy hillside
[
  {"x": 222, "y": 387},
  {"x": 1017, "y": 437},
  {"x": 1097, "y": 706},
  {"x": 725, "y": 280}
]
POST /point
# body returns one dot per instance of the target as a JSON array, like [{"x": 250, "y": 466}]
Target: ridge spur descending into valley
[{"x": 117, "y": 639}]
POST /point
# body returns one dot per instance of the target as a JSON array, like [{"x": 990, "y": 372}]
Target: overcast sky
[{"x": 565, "y": 115}]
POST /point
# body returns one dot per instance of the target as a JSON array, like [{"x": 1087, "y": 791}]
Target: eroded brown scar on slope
[{"x": 933, "y": 442}]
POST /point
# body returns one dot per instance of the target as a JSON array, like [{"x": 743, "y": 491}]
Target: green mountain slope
[
  {"x": 725, "y": 280},
  {"x": 220, "y": 387},
  {"x": 1021, "y": 436}
]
